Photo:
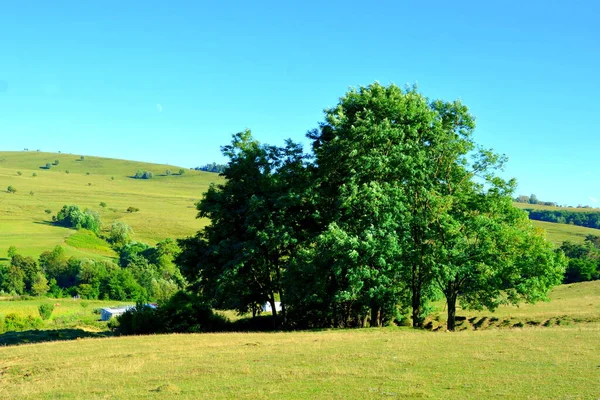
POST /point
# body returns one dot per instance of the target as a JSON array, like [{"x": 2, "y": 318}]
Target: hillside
[
  {"x": 559, "y": 233},
  {"x": 166, "y": 203}
]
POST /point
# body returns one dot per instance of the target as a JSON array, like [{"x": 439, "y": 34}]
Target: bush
[
  {"x": 47, "y": 211},
  {"x": 31, "y": 193},
  {"x": 34, "y": 174},
  {"x": 45, "y": 310},
  {"x": 181, "y": 171},
  {"x": 132, "y": 209},
  {"x": 143, "y": 175},
  {"x": 73, "y": 217},
  {"x": 11, "y": 189},
  {"x": 19, "y": 173},
  {"x": 168, "y": 172},
  {"x": 81, "y": 158},
  {"x": 56, "y": 162},
  {"x": 102, "y": 204},
  {"x": 184, "y": 312},
  {"x": 14, "y": 322},
  {"x": 48, "y": 165},
  {"x": 67, "y": 171}
]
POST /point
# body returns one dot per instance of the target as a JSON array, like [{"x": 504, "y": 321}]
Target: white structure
[
  {"x": 110, "y": 312},
  {"x": 267, "y": 307}
]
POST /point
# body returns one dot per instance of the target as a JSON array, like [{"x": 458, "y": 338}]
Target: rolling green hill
[{"x": 166, "y": 203}]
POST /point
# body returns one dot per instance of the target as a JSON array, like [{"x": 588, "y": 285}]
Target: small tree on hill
[
  {"x": 56, "y": 162},
  {"x": 11, "y": 189},
  {"x": 168, "y": 172},
  {"x": 48, "y": 165},
  {"x": 181, "y": 171}
]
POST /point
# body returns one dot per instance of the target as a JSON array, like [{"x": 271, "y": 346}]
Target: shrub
[
  {"x": 168, "y": 172},
  {"x": 31, "y": 193},
  {"x": 67, "y": 171},
  {"x": 81, "y": 158},
  {"x": 48, "y": 165},
  {"x": 84, "y": 304},
  {"x": 46, "y": 310},
  {"x": 34, "y": 174},
  {"x": 184, "y": 312},
  {"x": 132, "y": 209},
  {"x": 181, "y": 171},
  {"x": 143, "y": 175},
  {"x": 11, "y": 189},
  {"x": 56, "y": 162},
  {"x": 19, "y": 173},
  {"x": 48, "y": 211},
  {"x": 102, "y": 204},
  {"x": 89, "y": 184},
  {"x": 73, "y": 217},
  {"x": 112, "y": 178}
]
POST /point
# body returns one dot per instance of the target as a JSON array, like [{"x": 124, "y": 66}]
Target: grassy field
[
  {"x": 559, "y": 233},
  {"x": 166, "y": 203},
  {"x": 533, "y": 362}
]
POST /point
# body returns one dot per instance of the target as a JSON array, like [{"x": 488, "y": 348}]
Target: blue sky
[{"x": 170, "y": 81}]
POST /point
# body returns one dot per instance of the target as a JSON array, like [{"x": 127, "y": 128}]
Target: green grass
[
  {"x": 166, "y": 203},
  {"x": 569, "y": 304},
  {"x": 66, "y": 307},
  {"x": 559, "y": 233},
  {"x": 88, "y": 241},
  {"x": 533, "y": 362}
]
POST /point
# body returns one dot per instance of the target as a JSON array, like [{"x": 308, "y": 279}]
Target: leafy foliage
[
  {"x": 73, "y": 217},
  {"x": 45, "y": 310}
]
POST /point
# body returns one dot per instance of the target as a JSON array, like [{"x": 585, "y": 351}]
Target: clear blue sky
[{"x": 170, "y": 81}]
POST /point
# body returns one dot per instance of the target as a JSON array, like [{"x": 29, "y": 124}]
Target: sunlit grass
[{"x": 533, "y": 363}]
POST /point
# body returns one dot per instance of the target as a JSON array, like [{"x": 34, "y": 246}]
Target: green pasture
[
  {"x": 559, "y": 233},
  {"x": 531, "y": 363},
  {"x": 166, "y": 203}
]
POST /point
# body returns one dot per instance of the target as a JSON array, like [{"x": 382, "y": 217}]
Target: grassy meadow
[
  {"x": 533, "y": 361},
  {"x": 166, "y": 203}
]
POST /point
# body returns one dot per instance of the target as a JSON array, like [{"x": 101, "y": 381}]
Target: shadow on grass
[
  {"x": 39, "y": 336},
  {"x": 46, "y": 223}
]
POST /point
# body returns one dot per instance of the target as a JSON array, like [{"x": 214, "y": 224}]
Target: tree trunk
[
  {"x": 416, "y": 302},
  {"x": 374, "y": 316},
  {"x": 451, "y": 323},
  {"x": 273, "y": 310},
  {"x": 283, "y": 310}
]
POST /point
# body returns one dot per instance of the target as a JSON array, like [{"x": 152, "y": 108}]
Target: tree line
[
  {"x": 395, "y": 206},
  {"x": 589, "y": 219},
  {"x": 583, "y": 260}
]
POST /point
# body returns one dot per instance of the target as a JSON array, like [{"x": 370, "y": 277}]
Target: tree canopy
[{"x": 397, "y": 206}]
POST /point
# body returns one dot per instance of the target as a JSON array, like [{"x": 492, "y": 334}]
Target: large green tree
[
  {"x": 239, "y": 259},
  {"x": 394, "y": 165}
]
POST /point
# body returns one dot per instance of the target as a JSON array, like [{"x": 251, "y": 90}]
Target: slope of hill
[
  {"x": 559, "y": 233},
  {"x": 166, "y": 202}
]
